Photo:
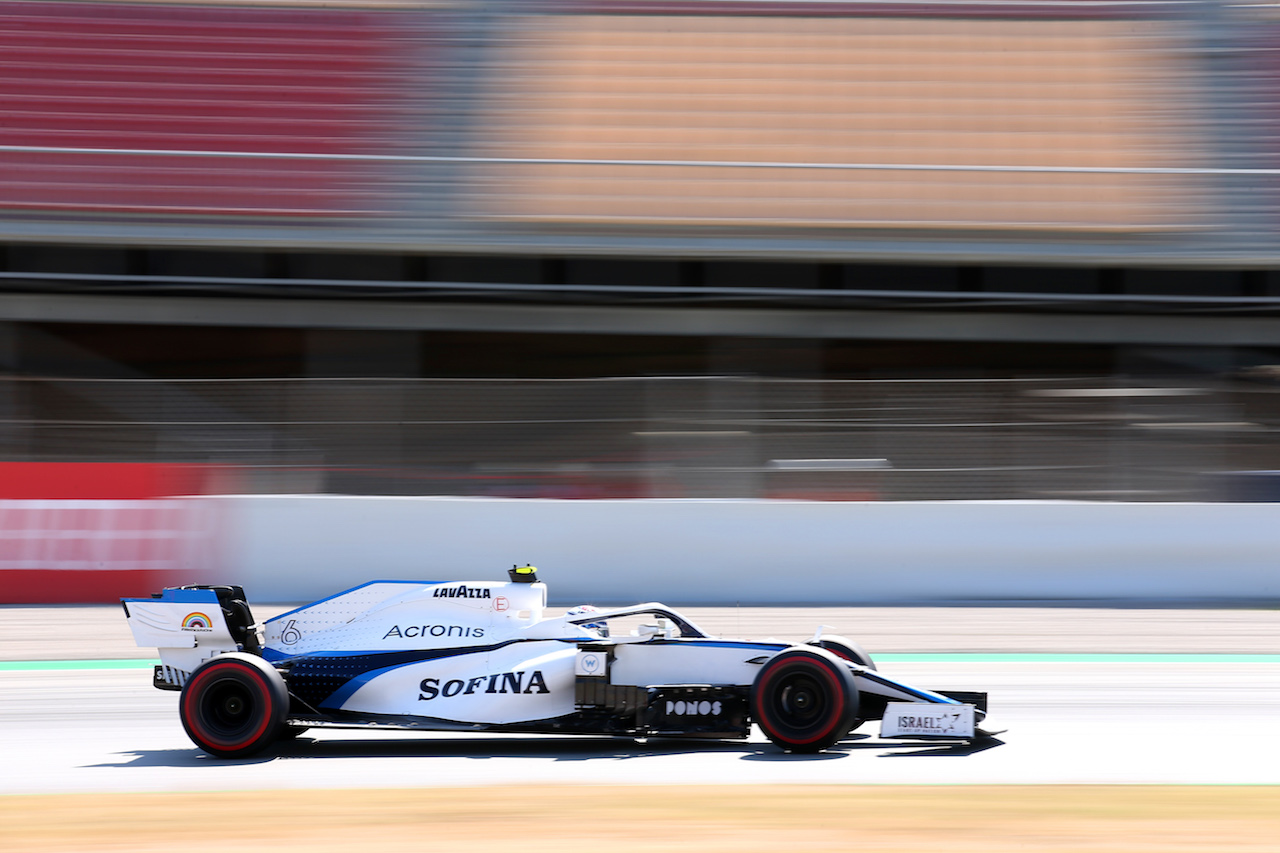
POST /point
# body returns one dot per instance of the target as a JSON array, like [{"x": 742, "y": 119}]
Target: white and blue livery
[{"x": 483, "y": 656}]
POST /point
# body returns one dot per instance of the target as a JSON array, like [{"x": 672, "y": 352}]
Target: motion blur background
[{"x": 827, "y": 251}]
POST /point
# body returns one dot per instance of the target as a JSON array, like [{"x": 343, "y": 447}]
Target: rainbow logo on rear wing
[{"x": 196, "y": 621}]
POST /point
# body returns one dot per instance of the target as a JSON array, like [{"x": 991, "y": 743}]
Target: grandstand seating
[
  {"x": 88, "y": 78},
  {"x": 934, "y": 91}
]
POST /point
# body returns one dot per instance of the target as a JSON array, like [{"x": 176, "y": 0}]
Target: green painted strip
[
  {"x": 1071, "y": 657},
  {"x": 899, "y": 657},
  {"x": 49, "y": 665}
]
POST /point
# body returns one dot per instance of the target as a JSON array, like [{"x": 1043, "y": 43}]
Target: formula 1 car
[{"x": 480, "y": 656}]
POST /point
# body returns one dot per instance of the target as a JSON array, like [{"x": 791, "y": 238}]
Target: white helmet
[{"x": 601, "y": 628}]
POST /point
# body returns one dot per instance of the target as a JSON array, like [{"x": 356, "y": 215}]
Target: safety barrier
[
  {"x": 288, "y": 548},
  {"x": 93, "y": 532},
  {"x": 293, "y": 548}
]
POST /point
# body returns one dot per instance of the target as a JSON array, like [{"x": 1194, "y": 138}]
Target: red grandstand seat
[{"x": 89, "y": 82}]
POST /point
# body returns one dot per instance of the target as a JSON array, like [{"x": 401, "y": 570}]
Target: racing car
[{"x": 470, "y": 656}]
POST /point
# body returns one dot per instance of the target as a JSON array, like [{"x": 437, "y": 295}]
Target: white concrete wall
[{"x": 292, "y": 548}]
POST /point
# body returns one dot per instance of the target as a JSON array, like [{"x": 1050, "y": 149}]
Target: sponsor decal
[
  {"x": 905, "y": 719},
  {"x": 499, "y": 682},
  {"x": 500, "y": 603},
  {"x": 411, "y": 631},
  {"x": 197, "y": 622},
  {"x": 705, "y": 708},
  {"x": 935, "y": 724},
  {"x": 461, "y": 591},
  {"x": 290, "y": 635},
  {"x": 591, "y": 663}
]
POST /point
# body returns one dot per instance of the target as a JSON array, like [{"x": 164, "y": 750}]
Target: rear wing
[{"x": 189, "y": 625}]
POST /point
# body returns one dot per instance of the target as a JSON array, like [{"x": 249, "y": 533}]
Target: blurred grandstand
[{"x": 710, "y": 248}]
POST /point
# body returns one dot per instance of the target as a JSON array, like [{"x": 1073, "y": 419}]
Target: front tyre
[
  {"x": 234, "y": 705},
  {"x": 847, "y": 649},
  {"x": 804, "y": 699}
]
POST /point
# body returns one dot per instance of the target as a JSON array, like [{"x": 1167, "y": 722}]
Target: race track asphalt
[{"x": 1087, "y": 695}]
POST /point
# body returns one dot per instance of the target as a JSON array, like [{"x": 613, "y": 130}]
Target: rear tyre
[
  {"x": 234, "y": 705},
  {"x": 804, "y": 699}
]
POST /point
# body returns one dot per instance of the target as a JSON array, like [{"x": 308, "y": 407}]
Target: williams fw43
[{"x": 481, "y": 656}]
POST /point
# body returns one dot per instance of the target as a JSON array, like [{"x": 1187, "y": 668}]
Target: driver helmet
[{"x": 601, "y": 628}]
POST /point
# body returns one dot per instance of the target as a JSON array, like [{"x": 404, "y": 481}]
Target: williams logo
[
  {"x": 197, "y": 622},
  {"x": 501, "y": 682},
  {"x": 462, "y": 591}
]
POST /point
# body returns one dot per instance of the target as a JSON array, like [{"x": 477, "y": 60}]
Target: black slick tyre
[
  {"x": 234, "y": 705},
  {"x": 804, "y": 699},
  {"x": 847, "y": 649}
]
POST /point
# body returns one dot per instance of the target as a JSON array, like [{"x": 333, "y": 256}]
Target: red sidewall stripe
[
  {"x": 190, "y": 704},
  {"x": 835, "y": 691}
]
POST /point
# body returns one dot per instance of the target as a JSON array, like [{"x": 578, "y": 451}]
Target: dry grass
[{"x": 1096, "y": 819}]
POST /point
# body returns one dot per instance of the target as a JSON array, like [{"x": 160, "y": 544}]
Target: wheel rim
[
  {"x": 801, "y": 701},
  {"x": 228, "y": 709}
]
